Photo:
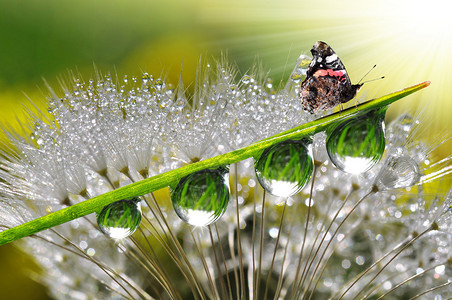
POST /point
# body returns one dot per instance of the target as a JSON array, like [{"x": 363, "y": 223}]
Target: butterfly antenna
[
  {"x": 361, "y": 83},
  {"x": 373, "y": 79},
  {"x": 366, "y": 74}
]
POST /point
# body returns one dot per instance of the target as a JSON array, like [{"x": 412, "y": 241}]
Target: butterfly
[{"x": 327, "y": 83}]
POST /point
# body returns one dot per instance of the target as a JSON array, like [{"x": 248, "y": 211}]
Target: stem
[{"x": 172, "y": 177}]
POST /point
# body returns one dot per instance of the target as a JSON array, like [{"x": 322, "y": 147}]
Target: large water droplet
[
  {"x": 398, "y": 171},
  {"x": 120, "y": 219},
  {"x": 356, "y": 145},
  {"x": 285, "y": 168},
  {"x": 201, "y": 198}
]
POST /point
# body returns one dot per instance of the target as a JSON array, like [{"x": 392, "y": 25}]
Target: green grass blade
[{"x": 172, "y": 177}]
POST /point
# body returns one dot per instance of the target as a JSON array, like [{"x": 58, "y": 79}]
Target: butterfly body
[{"x": 327, "y": 83}]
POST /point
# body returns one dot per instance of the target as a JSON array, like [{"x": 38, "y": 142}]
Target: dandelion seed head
[{"x": 101, "y": 135}]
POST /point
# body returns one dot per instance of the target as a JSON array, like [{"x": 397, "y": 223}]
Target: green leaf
[{"x": 172, "y": 177}]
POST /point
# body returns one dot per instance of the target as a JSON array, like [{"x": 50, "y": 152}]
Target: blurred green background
[{"x": 410, "y": 42}]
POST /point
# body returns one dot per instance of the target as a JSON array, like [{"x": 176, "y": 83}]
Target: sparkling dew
[
  {"x": 398, "y": 171},
  {"x": 301, "y": 67},
  {"x": 120, "y": 219},
  {"x": 357, "y": 144},
  {"x": 202, "y": 197},
  {"x": 285, "y": 168}
]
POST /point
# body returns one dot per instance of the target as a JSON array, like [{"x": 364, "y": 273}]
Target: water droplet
[
  {"x": 301, "y": 68},
  {"x": 356, "y": 145},
  {"x": 398, "y": 171},
  {"x": 145, "y": 78},
  {"x": 296, "y": 77},
  {"x": 399, "y": 130},
  {"x": 273, "y": 232},
  {"x": 269, "y": 83},
  {"x": 159, "y": 84},
  {"x": 120, "y": 219},
  {"x": 285, "y": 168},
  {"x": 302, "y": 64},
  {"x": 246, "y": 79},
  {"x": 170, "y": 89},
  {"x": 201, "y": 198}
]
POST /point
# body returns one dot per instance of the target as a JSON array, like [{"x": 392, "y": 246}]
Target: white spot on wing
[{"x": 331, "y": 58}]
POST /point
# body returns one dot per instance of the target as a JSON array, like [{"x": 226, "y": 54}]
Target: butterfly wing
[
  {"x": 327, "y": 83},
  {"x": 325, "y": 62},
  {"x": 322, "y": 93}
]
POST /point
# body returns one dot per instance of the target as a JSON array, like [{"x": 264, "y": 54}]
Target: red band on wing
[
  {"x": 330, "y": 72},
  {"x": 320, "y": 73}
]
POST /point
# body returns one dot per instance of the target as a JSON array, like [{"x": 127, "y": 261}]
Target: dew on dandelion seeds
[
  {"x": 285, "y": 168},
  {"x": 356, "y": 145},
  {"x": 159, "y": 84},
  {"x": 269, "y": 83},
  {"x": 120, "y": 219},
  {"x": 145, "y": 78},
  {"x": 246, "y": 79},
  {"x": 301, "y": 68},
  {"x": 398, "y": 171},
  {"x": 399, "y": 130},
  {"x": 201, "y": 198},
  {"x": 296, "y": 77},
  {"x": 303, "y": 64}
]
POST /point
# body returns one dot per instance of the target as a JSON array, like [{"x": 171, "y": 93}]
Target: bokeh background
[{"x": 409, "y": 41}]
